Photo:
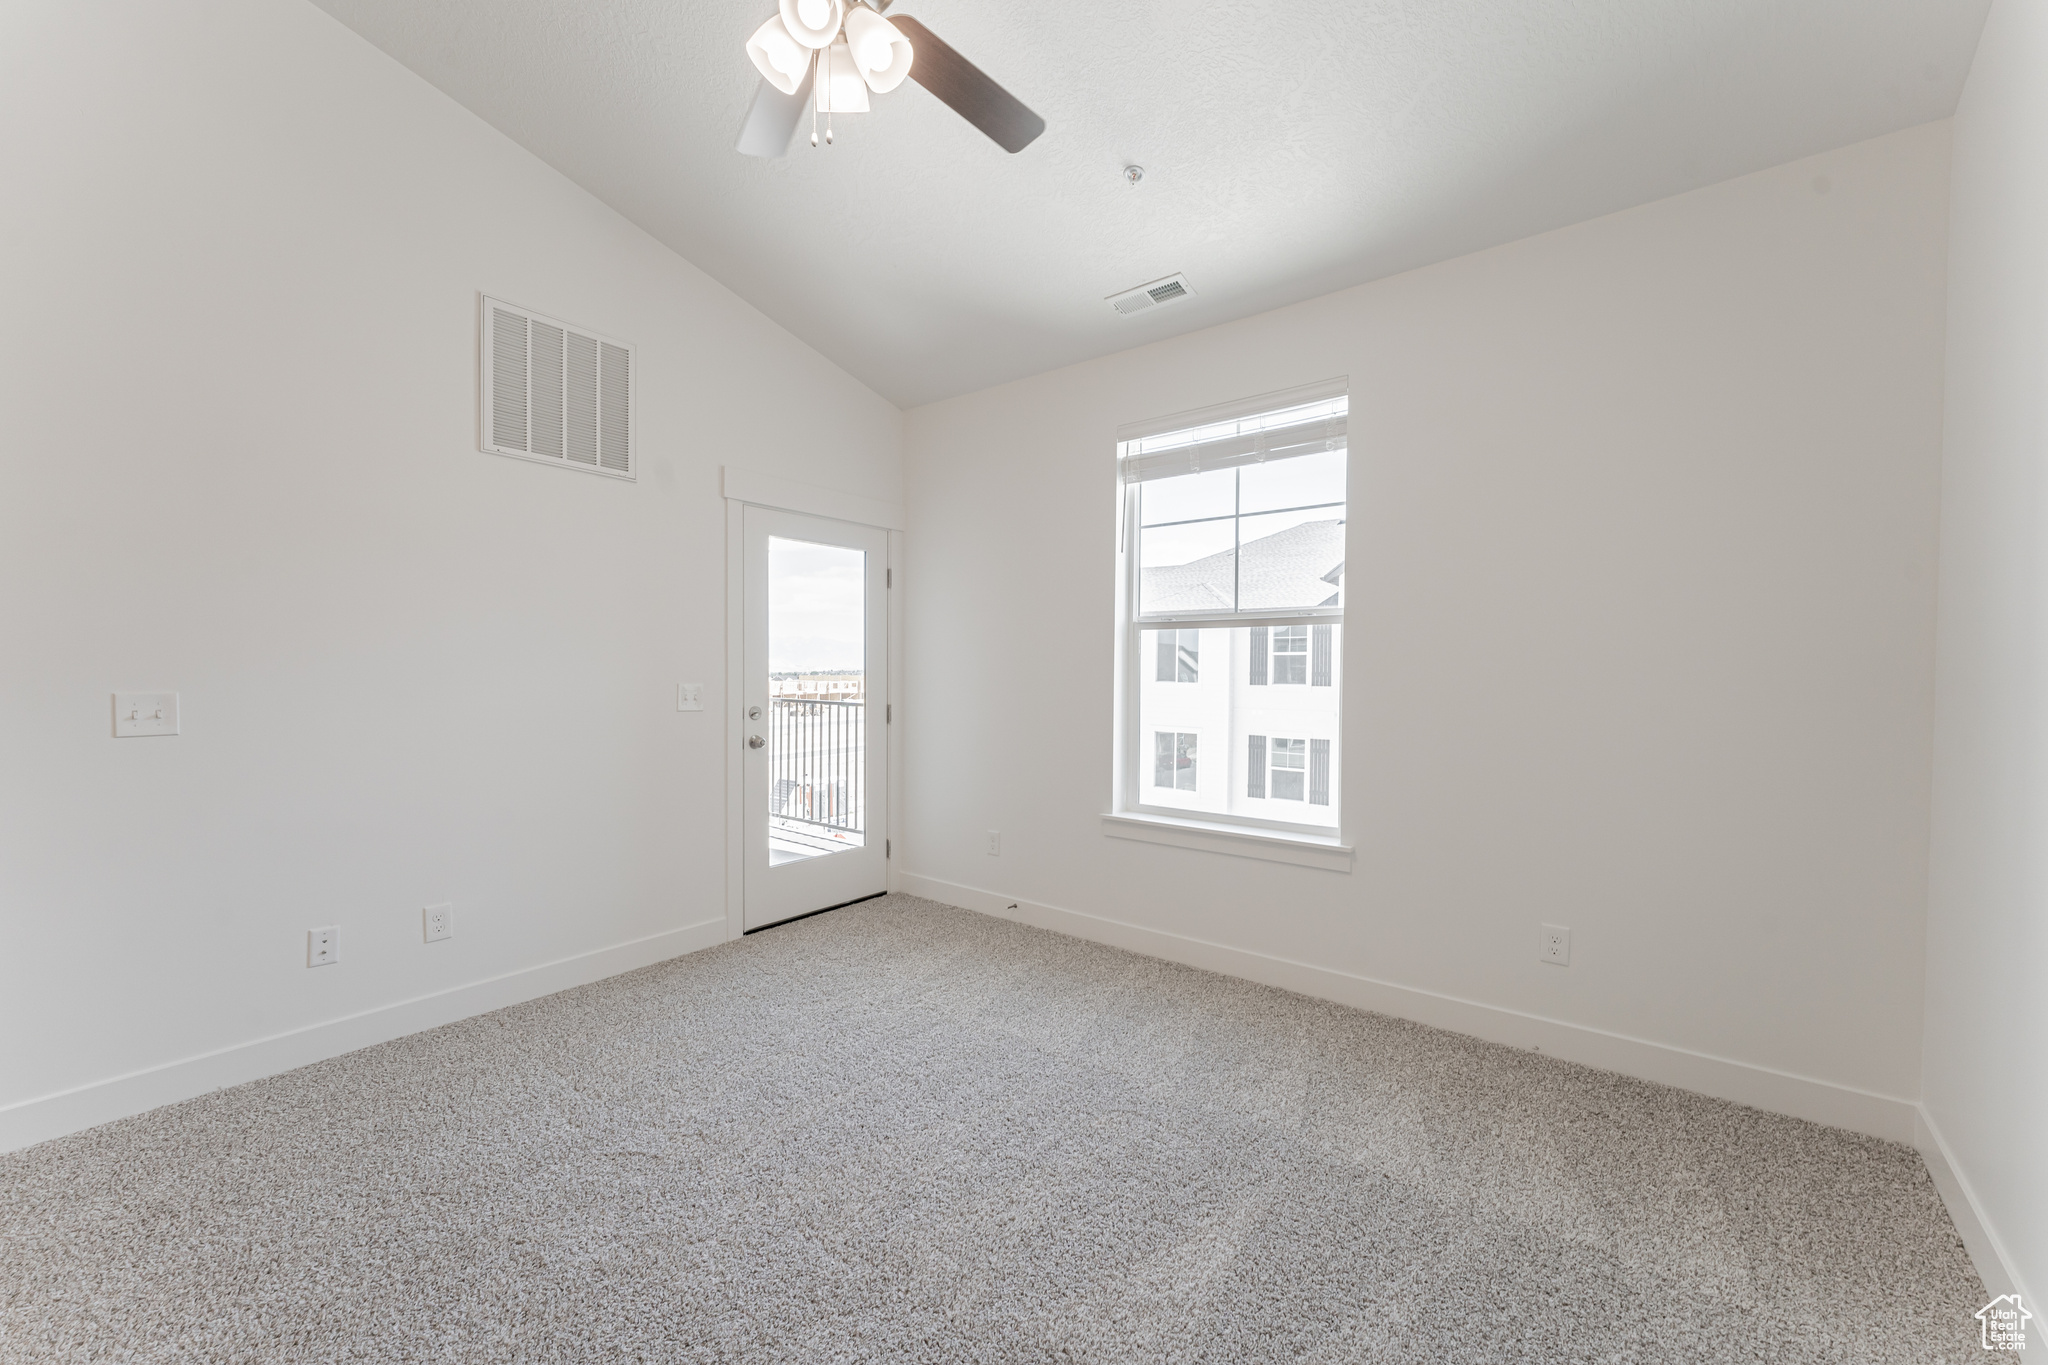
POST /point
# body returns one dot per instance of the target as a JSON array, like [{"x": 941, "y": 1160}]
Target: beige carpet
[{"x": 904, "y": 1132}]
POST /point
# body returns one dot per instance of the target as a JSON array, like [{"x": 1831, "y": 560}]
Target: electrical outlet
[
  {"x": 995, "y": 843},
  {"x": 438, "y": 921},
  {"x": 323, "y": 947},
  {"x": 1554, "y": 945}
]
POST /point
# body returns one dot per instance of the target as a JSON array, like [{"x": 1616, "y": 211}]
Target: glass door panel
[
  {"x": 811, "y": 739},
  {"x": 817, "y": 699}
]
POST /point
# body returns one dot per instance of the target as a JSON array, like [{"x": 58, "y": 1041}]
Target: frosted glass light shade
[
  {"x": 880, "y": 50},
  {"x": 840, "y": 88},
  {"x": 781, "y": 59},
  {"x": 814, "y": 23}
]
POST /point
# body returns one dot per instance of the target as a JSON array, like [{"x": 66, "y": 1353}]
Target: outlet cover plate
[
  {"x": 438, "y": 921},
  {"x": 323, "y": 946},
  {"x": 689, "y": 696},
  {"x": 1554, "y": 945}
]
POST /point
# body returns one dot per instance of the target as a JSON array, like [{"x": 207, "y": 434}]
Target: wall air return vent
[
  {"x": 1169, "y": 290},
  {"x": 555, "y": 393}
]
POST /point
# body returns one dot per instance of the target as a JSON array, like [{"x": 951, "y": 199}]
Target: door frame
[{"x": 744, "y": 488}]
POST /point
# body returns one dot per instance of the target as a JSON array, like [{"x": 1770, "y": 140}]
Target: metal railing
[{"x": 816, "y": 750}]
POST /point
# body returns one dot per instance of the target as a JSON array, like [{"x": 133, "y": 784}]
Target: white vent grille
[
  {"x": 1169, "y": 290},
  {"x": 556, "y": 393}
]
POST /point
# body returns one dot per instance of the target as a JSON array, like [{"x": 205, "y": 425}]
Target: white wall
[
  {"x": 1987, "y": 934},
  {"x": 1641, "y": 575},
  {"x": 240, "y": 254}
]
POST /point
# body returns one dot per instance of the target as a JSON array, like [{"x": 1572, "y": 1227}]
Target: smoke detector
[{"x": 1169, "y": 290}]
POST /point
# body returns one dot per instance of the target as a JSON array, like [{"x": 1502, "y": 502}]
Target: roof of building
[{"x": 1292, "y": 568}]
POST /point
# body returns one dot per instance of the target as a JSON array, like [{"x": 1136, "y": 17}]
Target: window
[
  {"x": 1290, "y": 769},
  {"x": 1179, "y": 655},
  {"x": 1293, "y": 654},
  {"x": 1173, "y": 760},
  {"x": 1232, "y": 554},
  {"x": 1295, "y": 774},
  {"x": 1290, "y": 655}
]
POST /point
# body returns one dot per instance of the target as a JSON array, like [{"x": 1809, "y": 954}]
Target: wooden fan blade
[
  {"x": 772, "y": 120},
  {"x": 963, "y": 86}
]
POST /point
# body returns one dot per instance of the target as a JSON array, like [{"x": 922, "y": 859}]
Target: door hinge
[
  {"x": 888, "y": 713},
  {"x": 888, "y": 578},
  {"x": 885, "y": 848}
]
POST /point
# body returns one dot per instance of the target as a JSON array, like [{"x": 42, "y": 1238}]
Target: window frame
[{"x": 1130, "y": 769}]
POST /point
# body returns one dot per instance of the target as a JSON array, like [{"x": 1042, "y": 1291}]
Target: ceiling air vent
[
  {"x": 1168, "y": 290},
  {"x": 555, "y": 393}
]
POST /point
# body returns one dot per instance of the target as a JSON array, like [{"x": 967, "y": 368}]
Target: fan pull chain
[{"x": 816, "y": 61}]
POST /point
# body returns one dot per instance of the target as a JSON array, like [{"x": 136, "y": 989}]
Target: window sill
[{"x": 1304, "y": 850}]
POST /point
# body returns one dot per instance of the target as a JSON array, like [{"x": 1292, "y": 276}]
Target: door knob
[{"x": 755, "y": 741}]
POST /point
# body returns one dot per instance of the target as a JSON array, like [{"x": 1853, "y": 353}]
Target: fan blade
[
  {"x": 772, "y": 120},
  {"x": 971, "y": 94}
]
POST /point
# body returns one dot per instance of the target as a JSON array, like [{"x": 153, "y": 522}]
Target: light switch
[
  {"x": 689, "y": 696},
  {"x": 145, "y": 713}
]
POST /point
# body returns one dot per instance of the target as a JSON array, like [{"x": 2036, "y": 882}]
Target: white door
[{"x": 814, "y": 713}]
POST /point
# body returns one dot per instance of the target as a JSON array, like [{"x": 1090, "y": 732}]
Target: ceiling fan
[{"x": 839, "y": 50}]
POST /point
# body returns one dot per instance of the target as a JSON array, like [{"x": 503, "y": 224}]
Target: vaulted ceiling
[{"x": 1290, "y": 147}]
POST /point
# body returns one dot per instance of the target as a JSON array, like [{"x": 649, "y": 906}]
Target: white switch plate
[
  {"x": 689, "y": 696},
  {"x": 323, "y": 946},
  {"x": 995, "y": 843},
  {"x": 145, "y": 713},
  {"x": 438, "y": 921},
  {"x": 1554, "y": 945}
]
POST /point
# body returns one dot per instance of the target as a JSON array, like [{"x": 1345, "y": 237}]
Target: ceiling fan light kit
[
  {"x": 814, "y": 23},
  {"x": 880, "y": 50},
  {"x": 828, "y": 54},
  {"x": 782, "y": 61},
  {"x": 840, "y": 87}
]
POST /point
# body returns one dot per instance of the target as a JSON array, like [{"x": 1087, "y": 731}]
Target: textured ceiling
[{"x": 1290, "y": 147}]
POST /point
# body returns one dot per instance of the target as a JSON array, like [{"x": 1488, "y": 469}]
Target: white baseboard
[
  {"x": 1980, "y": 1237},
  {"x": 37, "y": 1120},
  {"x": 1779, "y": 1092}
]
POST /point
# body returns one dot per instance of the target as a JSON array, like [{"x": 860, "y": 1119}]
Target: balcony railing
[{"x": 816, "y": 752}]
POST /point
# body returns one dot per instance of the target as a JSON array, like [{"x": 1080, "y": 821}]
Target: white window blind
[{"x": 1310, "y": 421}]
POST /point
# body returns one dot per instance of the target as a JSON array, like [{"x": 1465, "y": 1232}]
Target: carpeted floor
[{"x": 904, "y": 1132}]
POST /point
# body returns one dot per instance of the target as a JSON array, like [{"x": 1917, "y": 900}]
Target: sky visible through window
[{"x": 816, "y": 607}]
